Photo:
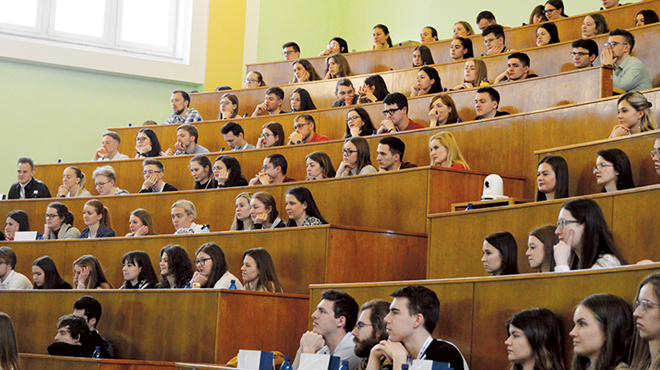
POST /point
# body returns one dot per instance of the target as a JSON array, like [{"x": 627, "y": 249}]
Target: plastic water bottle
[
  {"x": 286, "y": 365},
  {"x": 188, "y": 286},
  {"x": 232, "y": 286},
  {"x": 130, "y": 124},
  {"x": 404, "y": 366},
  {"x": 344, "y": 365},
  {"x": 469, "y": 207},
  {"x": 97, "y": 352}
]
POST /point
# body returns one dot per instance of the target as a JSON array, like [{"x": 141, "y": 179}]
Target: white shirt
[{"x": 15, "y": 281}]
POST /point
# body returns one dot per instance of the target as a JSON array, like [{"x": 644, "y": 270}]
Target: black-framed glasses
[
  {"x": 562, "y": 223},
  {"x": 348, "y": 151},
  {"x": 578, "y": 53},
  {"x": 299, "y": 125},
  {"x": 645, "y": 305},
  {"x": 390, "y": 111},
  {"x": 351, "y": 119},
  {"x": 141, "y": 139},
  {"x": 549, "y": 11},
  {"x": 50, "y": 215},
  {"x": 202, "y": 261}
]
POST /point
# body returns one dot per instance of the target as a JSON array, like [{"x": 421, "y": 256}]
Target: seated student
[
  {"x": 272, "y": 134},
  {"x": 645, "y": 351},
  {"x": 336, "y": 66},
  {"x": 227, "y": 172},
  {"x": 104, "y": 181},
  {"x": 319, "y": 166},
  {"x": 335, "y": 46},
  {"x": 89, "y": 274},
  {"x": 301, "y": 101},
  {"x": 630, "y": 74},
  {"x": 59, "y": 223},
  {"x": 494, "y": 39},
  {"x": 646, "y": 17},
  {"x": 97, "y": 218},
  {"x": 243, "y": 219},
  {"x": 138, "y": 271},
  {"x": 71, "y": 339},
  {"x": 358, "y": 123},
  {"x": 413, "y": 316},
  {"x": 445, "y": 152},
  {"x": 304, "y": 71},
  {"x": 254, "y": 79},
  {"x": 634, "y": 115},
  {"x": 302, "y": 209},
  {"x": 428, "y": 82},
  {"x": 547, "y": 34},
  {"x": 584, "y": 53},
  {"x": 27, "y": 186},
  {"x": 517, "y": 69},
  {"x": 554, "y": 10},
  {"x": 500, "y": 254},
  {"x": 370, "y": 328},
  {"x": 182, "y": 112},
  {"x": 442, "y": 111},
  {"x": 374, "y": 89},
  {"x": 274, "y": 97},
  {"x": 395, "y": 109},
  {"x": 356, "y": 158},
  {"x": 201, "y": 170},
  {"x": 17, "y": 220},
  {"x": 428, "y": 34},
  {"x": 73, "y": 184},
  {"x": 613, "y": 170},
  {"x": 485, "y": 19},
  {"x": 538, "y": 15},
  {"x": 153, "y": 172},
  {"x": 273, "y": 171},
  {"x": 462, "y": 29},
  {"x": 534, "y": 340},
  {"x": 486, "y": 103},
  {"x": 552, "y": 178},
  {"x": 608, "y": 4},
  {"x": 422, "y": 56},
  {"x": 183, "y": 215},
  {"x": 655, "y": 155},
  {"x": 147, "y": 144},
  {"x": 229, "y": 107},
  {"x": 585, "y": 241},
  {"x": 176, "y": 268},
  {"x": 140, "y": 223},
  {"x": 594, "y": 24},
  {"x": 108, "y": 150},
  {"x": 291, "y": 51},
  {"x": 187, "y": 137},
  {"x": 304, "y": 131},
  {"x": 345, "y": 93},
  {"x": 212, "y": 270},
  {"x": 9, "y": 278},
  {"x": 540, "y": 245},
  {"x": 258, "y": 272},
  {"x": 390, "y": 155},
  {"x": 263, "y": 211},
  {"x": 461, "y": 48},
  {"x": 46, "y": 276},
  {"x": 91, "y": 310},
  {"x": 474, "y": 74},
  {"x": 381, "y": 37}
]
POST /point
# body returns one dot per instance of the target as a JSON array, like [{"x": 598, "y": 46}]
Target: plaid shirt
[{"x": 192, "y": 115}]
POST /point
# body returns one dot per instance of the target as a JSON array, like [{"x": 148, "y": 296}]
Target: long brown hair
[
  {"x": 8, "y": 348},
  {"x": 100, "y": 209},
  {"x": 267, "y": 276},
  {"x": 96, "y": 276},
  {"x": 641, "y": 358}
]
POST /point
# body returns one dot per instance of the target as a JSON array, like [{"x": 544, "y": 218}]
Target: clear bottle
[
  {"x": 188, "y": 286},
  {"x": 469, "y": 207},
  {"x": 97, "y": 352},
  {"x": 286, "y": 365},
  {"x": 344, "y": 365},
  {"x": 232, "y": 286}
]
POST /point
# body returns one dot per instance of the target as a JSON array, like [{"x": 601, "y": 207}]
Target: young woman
[
  {"x": 646, "y": 352},
  {"x": 258, "y": 272},
  {"x": 105, "y": 179},
  {"x": 336, "y": 66},
  {"x": 381, "y": 36},
  {"x": 229, "y": 107},
  {"x": 97, "y": 218},
  {"x": 9, "y": 354},
  {"x": 634, "y": 115},
  {"x": 138, "y": 271},
  {"x": 373, "y": 90},
  {"x": 500, "y": 254},
  {"x": 202, "y": 173},
  {"x": 428, "y": 82},
  {"x": 59, "y": 223},
  {"x": 302, "y": 209},
  {"x": 46, "y": 276},
  {"x": 183, "y": 214},
  {"x": 140, "y": 223},
  {"x": 243, "y": 220},
  {"x": 147, "y": 144},
  {"x": 603, "y": 332},
  {"x": 301, "y": 101},
  {"x": 88, "y": 274},
  {"x": 176, "y": 268},
  {"x": 554, "y": 10},
  {"x": 319, "y": 166},
  {"x": 422, "y": 56},
  {"x": 272, "y": 134},
  {"x": 547, "y": 34},
  {"x": 582, "y": 229},
  {"x": 17, "y": 220},
  {"x": 445, "y": 152},
  {"x": 613, "y": 170},
  {"x": 646, "y": 17},
  {"x": 442, "y": 111},
  {"x": 263, "y": 212},
  {"x": 428, "y": 34},
  {"x": 540, "y": 243},
  {"x": 534, "y": 341},
  {"x": 462, "y": 29},
  {"x": 212, "y": 270},
  {"x": 460, "y": 48},
  {"x": 304, "y": 71},
  {"x": 594, "y": 24},
  {"x": 254, "y": 79},
  {"x": 552, "y": 178},
  {"x": 227, "y": 172},
  {"x": 335, "y": 46},
  {"x": 73, "y": 184},
  {"x": 358, "y": 123},
  {"x": 474, "y": 74},
  {"x": 538, "y": 15},
  {"x": 356, "y": 158}
]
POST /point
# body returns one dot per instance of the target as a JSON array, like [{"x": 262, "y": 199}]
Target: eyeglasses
[
  {"x": 102, "y": 184},
  {"x": 333, "y": 46},
  {"x": 655, "y": 153},
  {"x": 149, "y": 172},
  {"x": 578, "y": 53},
  {"x": 248, "y": 80},
  {"x": 549, "y": 11},
  {"x": 488, "y": 41},
  {"x": 348, "y": 151},
  {"x": 266, "y": 136},
  {"x": 48, "y": 215},
  {"x": 361, "y": 325},
  {"x": 390, "y": 111},
  {"x": 225, "y": 103},
  {"x": 299, "y": 125},
  {"x": 645, "y": 305},
  {"x": 202, "y": 261},
  {"x": 285, "y": 53},
  {"x": 216, "y": 168},
  {"x": 265, "y": 168},
  {"x": 561, "y": 224},
  {"x": 600, "y": 166},
  {"x": 613, "y": 44},
  {"x": 141, "y": 139},
  {"x": 351, "y": 119}
]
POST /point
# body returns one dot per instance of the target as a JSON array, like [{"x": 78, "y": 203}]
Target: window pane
[
  {"x": 147, "y": 22},
  {"x": 21, "y": 13},
  {"x": 81, "y": 17}
]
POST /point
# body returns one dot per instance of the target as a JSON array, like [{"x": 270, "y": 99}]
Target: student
[
  {"x": 227, "y": 172},
  {"x": 71, "y": 339},
  {"x": 274, "y": 97},
  {"x": 474, "y": 74},
  {"x": 647, "y": 334},
  {"x": 613, "y": 170},
  {"x": 202, "y": 173},
  {"x": 273, "y": 171},
  {"x": 17, "y": 220},
  {"x": 59, "y": 223},
  {"x": 358, "y": 123},
  {"x": 243, "y": 219},
  {"x": 428, "y": 34},
  {"x": 301, "y": 208},
  {"x": 9, "y": 278},
  {"x": 552, "y": 178},
  {"x": 272, "y": 134},
  {"x": 336, "y": 66},
  {"x": 335, "y": 46},
  {"x": 646, "y": 17},
  {"x": 108, "y": 150},
  {"x": 153, "y": 172},
  {"x": 258, "y": 272},
  {"x": 655, "y": 155},
  {"x": 90, "y": 310},
  {"x": 485, "y": 19},
  {"x": 73, "y": 184},
  {"x": 304, "y": 131},
  {"x": 554, "y": 10},
  {"x": 27, "y": 186},
  {"x": 9, "y": 355},
  {"x": 494, "y": 39},
  {"x": 462, "y": 29},
  {"x": 500, "y": 254},
  {"x": 301, "y": 101},
  {"x": 147, "y": 144},
  {"x": 97, "y": 218},
  {"x": 381, "y": 37},
  {"x": 356, "y": 158},
  {"x": 547, "y": 34},
  {"x": 229, "y": 107},
  {"x": 138, "y": 271},
  {"x": 46, "y": 276},
  {"x": 370, "y": 328},
  {"x": 304, "y": 71},
  {"x": 428, "y": 82},
  {"x": 634, "y": 115},
  {"x": 390, "y": 155},
  {"x": 630, "y": 74},
  {"x": 582, "y": 229},
  {"x": 291, "y": 51},
  {"x": 187, "y": 137},
  {"x": 445, "y": 152},
  {"x": 263, "y": 211},
  {"x": 422, "y": 56},
  {"x": 584, "y": 53},
  {"x": 517, "y": 69},
  {"x": 486, "y": 103},
  {"x": 374, "y": 89},
  {"x": 442, "y": 111},
  {"x": 89, "y": 274},
  {"x": 319, "y": 166},
  {"x": 182, "y": 112},
  {"x": 537, "y": 16},
  {"x": 140, "y": 223},
  {"x": 234, "y": 136},
  {"x": 212, "y": 270},
  {"x": 534, "y": 340},
  {"x": 594, "y": 24},
  {"x": 395, "y": 110},
  {"x": 183, "y": 215},
  {"x": 345, "y": 93},
  {"x": 540, "y": 248},
  {"x": 254, "y": 79},
  {"x": 460, "y": 48},
  {"x": 105, "y": 180},
  {"x": 176, "y": 269}
]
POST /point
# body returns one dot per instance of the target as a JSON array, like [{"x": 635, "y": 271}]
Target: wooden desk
[{"x": 30, "y": 361}]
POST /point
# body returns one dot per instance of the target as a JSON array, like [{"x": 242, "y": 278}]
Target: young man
[
  {"x": 334, "y": 319},
  {"x": 395, "y": 107},
  {"x": 186, "y": 141},
  {"x": 291, "y": 51},
  {"x": 345, "y": 93},
  {"x": 304, "y": 131},
  {"x": 485, "y": 19},
  {"x": 274, "y": 97},
  {"x": 370, "y": 328},
  {"x": 390, "y": 155},
  {"x": 70, "y": 341},
  {"x": 494, "y": 39},
  {"x": 517, "y": 69},
  {"x": 414, "y": 313},
  {"x": 27, "y": 186},
  {"x": 90, "y": 309},
  {"x": 108, "y": 150},
  {"x": 630, "y": 74},
  {"x": 153, "y": 172},
  {"x": 273, "y": 171},
  {"x": 235, "y": 136},
  {"x": 182, "y": 112},
  {"x": 585, "y": 51},
  {"x": 10, "y": 279},
  {"x": 609, "y": 4},
  {"x": 486, "y": 103}
]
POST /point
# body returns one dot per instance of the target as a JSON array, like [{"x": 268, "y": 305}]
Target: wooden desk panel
[{"x": 31, "y": 361}]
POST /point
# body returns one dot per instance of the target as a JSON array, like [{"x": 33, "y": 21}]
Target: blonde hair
[
  {"x": 187, "y": 206},
  {"x": 482, "y": 71},
  {"x": 454, "y": 155},
  {"x": 244, "y": 225},
  {"x": 640, "y": 104}
]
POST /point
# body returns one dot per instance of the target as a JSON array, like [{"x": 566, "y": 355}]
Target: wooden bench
[{"x": 30, "y": 361}]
